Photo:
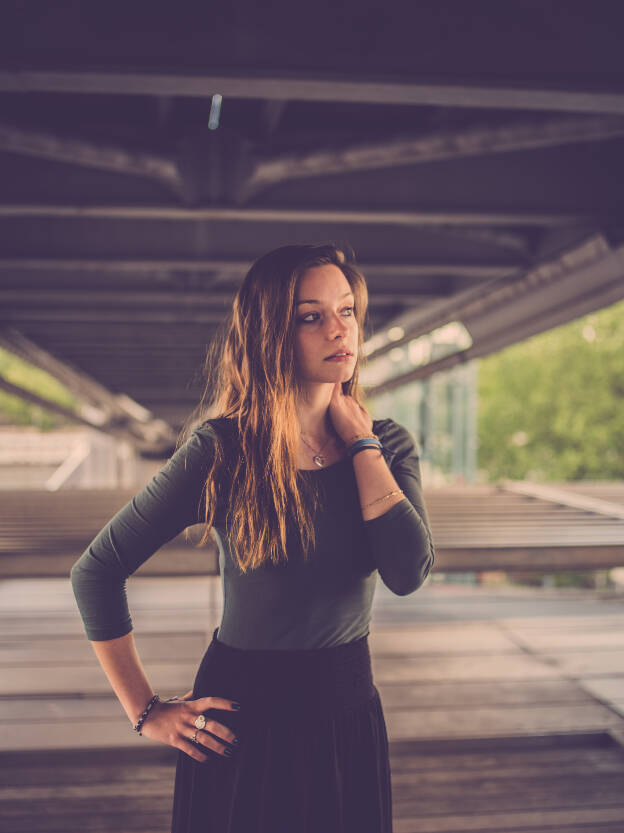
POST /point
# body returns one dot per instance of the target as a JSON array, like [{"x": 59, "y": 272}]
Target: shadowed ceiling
[{"x": 470, "y": 153}]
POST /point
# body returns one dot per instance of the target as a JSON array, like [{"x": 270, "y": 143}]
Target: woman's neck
[{"x": 320, "y": 431}]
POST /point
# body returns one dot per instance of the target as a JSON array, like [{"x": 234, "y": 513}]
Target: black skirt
[{"x": 313, "y": 754}]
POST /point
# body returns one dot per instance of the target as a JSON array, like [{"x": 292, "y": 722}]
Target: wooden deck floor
[{"x": 505, "y": 708}]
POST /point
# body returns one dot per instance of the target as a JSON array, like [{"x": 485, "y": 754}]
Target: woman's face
[{"x": 324, "y": 324}]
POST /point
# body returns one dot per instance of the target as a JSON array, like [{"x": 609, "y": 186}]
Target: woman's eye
[{"x": 308, "y": 320}]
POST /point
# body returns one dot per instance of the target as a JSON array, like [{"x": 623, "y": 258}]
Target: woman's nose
[{"x": 338, "y": 325}]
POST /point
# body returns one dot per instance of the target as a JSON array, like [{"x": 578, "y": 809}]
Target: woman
[{"x": 309, "y": 499}]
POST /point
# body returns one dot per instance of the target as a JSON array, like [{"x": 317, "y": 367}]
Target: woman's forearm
[
  {"x": 374, "y": 479},
  {"x": 121, "y": 664}
]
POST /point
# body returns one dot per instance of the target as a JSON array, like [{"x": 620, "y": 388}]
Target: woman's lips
[{"x": 339, "y": 358}]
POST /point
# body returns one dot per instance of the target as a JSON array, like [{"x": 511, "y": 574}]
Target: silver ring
[
  {"x": 200, "y": 721},
  {"x": 194, "y": 738}
]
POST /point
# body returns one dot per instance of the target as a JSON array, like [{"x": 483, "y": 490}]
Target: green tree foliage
[
  {"x": 552, "y": 407},
  {"x": 17, "y": 411}
]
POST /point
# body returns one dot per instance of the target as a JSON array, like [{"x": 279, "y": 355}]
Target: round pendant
[
  {"x": 200, "y": 722},
  {"x": 319, "y": 460}
]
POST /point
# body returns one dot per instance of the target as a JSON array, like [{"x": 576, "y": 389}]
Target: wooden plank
[
  {"x": 187, "y": 646},
  {"x": 482, "y": 725},
  {"x": 166, "y": 676},
  {"x": 73, "y": 734},
  {"x": 52, "y": 565},
  {"x": 485, "y": 530},
  {"x": 605, "y": 688},
  {"x": 578, "y": 820},
  {"x": 440, "y": 790},
  {"x": 40, "y": 711},
  {"x": 584, "y": 663},
  {"x": 565, "y": 622},
  {"x": 83, "y": 729},
  {"x": 544, "y": 491},
  {"x": 563, "y": 639},
  {"x": 149, "y": 756},
  {"x": 135, "y": 815},
  {"x": 421, "y": 696},
  {"x": 386, "y": 642},
  {"x": 171, "y": 674},
  {"x": 469, "y": 790},
  {"x": 23, "y": 627},
  {"x": 493, "y": 666},
  {"x": 474, "y": 693},
  {"x": 431, "y": 639},
  {"x": 573, "y": 752},
  {"x": 463, "y": 790},
  {"x": 608, "y": 690},
  {"x": 41, "y": 595},
  {"x": 491, "y": 721}
]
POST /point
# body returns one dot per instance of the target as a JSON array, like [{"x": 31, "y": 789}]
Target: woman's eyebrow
[{"x": 316, "y": 301}]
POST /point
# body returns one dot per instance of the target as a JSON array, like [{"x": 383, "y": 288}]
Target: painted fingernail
[
  {"x": 227, "y": 752},
  {"x": 236, "y": 705}
]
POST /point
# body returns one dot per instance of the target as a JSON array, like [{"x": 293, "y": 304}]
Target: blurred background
[{"x": 548, "y": 409}]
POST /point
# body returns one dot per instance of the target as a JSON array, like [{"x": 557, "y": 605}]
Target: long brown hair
[{"x": 251, "y": 378}]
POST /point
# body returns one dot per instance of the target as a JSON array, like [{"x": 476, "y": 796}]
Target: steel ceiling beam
[{"x": 299, "y": 85}]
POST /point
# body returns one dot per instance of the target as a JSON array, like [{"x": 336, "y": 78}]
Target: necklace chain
[{"x": 318, "y": 458}]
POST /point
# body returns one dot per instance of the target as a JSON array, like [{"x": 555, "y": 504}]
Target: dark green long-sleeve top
[{"x": 318, "y": 603}]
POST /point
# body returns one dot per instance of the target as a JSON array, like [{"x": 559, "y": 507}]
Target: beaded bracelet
[{"x": 155, "y": 699}]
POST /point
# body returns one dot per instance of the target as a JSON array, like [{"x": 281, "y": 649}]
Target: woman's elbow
[{"x": 412, "y": 577}]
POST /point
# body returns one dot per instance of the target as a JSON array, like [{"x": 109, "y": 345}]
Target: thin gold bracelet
[{"x": 395, "y": 492}]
